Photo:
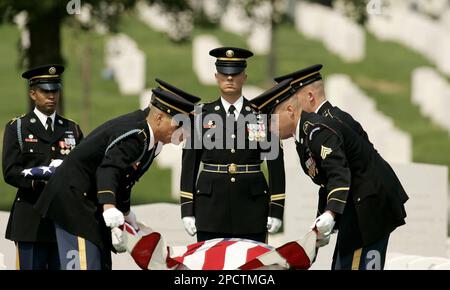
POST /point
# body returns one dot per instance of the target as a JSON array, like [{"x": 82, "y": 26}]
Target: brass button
[
  {"x": 359, "y": 199},
  {"x": 198, "y": 190},
  {"x": 232, "y": 150},
  {"x": 233, "y": 179},
  {"x": 53, "y": 148},
  {"x": 85, "y": 194},
  {"x": 18, "y": 199},
  {"x": 233, "y": 136},
  {"x": 128, "y": 175},
  {"x": 31, "y": 150}
]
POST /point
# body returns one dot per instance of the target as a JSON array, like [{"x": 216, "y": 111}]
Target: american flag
[
  {"x": 39, "y": 173},
  {"x": 150, "y": 251}
]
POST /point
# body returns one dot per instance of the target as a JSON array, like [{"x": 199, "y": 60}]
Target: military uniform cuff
[
  {"x": 106, "y": 196},
  {"x": 187, "y": 209},
  {"x": 276, "y": 211},
  {"x": 336, "y": 206}
]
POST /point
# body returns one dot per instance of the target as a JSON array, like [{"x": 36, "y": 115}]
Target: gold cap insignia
[
  {"x": 229, "y": 53},
  {"x": 52, "y": 70}
]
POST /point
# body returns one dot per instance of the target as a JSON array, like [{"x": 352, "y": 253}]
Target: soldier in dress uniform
[
  {"x": 89, "y": 195},
  {"x": 359, "y": 196},
  {"x": 230, "y": 196},
  {"x": 32, "y": 140}
]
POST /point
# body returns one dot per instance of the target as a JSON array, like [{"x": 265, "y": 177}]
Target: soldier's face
[
  {"x": 231, "y": 84},
  {"x": 284, "y": 121},
  {"x": 168, "y": 130},
  {"x": 45, "y": 101}
]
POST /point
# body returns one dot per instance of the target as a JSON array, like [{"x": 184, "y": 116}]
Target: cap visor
[
  {"x": 230, "y": 70},
  {"x": 49, "y": 86}
]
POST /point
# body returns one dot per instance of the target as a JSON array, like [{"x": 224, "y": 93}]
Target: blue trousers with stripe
[
  {"x": 371, "y": 257},
  {"x": 37, "y": 256},
  {"x": 77, "y": 253}
]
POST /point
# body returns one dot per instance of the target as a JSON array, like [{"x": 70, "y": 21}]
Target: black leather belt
[{"x": 232, "y": 168}]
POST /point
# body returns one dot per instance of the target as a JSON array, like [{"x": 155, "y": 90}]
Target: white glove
[
  {"x": 322, "y": 240},
  {"x": 273, "y": 224},
  {"x": 324, "y": 224},
  {"x": 55, "y": 163},
  {"x": 131, "y": 219},
  {"x": 118, "y": 240},
  {"x": 113, "y": 217},
  {"x": 189, "y": 225}
]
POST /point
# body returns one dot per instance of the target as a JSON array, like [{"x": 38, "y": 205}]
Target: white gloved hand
[
  {"x": 273, "y": 224},
  {"x": 131, "y": 219},
  {"x": 322, "y": 240},
  {"x": 55, "y": 163},
  {"x": 118, "y": 240},
  {"x": 189, "y": 225},
  {"x": 324, "y": 224},
  {"x": 113, "y": 217}
]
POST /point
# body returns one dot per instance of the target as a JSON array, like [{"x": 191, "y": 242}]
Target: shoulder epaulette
[{"x": 15, "y": 119}]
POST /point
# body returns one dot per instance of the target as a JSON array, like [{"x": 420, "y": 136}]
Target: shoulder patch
[{"x": 15, "y": 119}]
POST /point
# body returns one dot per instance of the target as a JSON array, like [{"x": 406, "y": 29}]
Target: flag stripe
[{"x": 215, "y": 257}]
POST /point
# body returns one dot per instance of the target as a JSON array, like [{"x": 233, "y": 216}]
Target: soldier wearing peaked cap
[
  {"x": 31, "y": 140},
  {"x": 359, "y": 195},
  {"x": 89, "y": 195},
  {"x": 230, "y": 196}
]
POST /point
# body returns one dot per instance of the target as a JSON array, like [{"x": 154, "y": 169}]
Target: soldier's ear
[{"x": 32, "y": 93}]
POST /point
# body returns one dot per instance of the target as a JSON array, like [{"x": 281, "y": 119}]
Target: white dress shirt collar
[
  {"x": 152, "y": 141},
  {"x": 297, "y": 132},
  {"x": 238, "y": 105},
  {"x": 43, "y": 118},
  {"x": 320, "y": 106}
]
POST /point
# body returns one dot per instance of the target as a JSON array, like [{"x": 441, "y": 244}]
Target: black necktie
[
  {"x": 231, "y": 110},
  {"x": 49, "y": 126}
]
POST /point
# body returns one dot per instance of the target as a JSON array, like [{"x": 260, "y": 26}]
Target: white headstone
[
  {"x": 127, "y": 62},
  {"x": 338, "y": 33},
  {"x": 249, "y": 92},
  {"x": 235, "y": 19},
  {"x": 144, "y": 99},
  {"x": 203, "y": 63},
  {"x": 415, "y": 31},
  {"x": 432, "y": 93},
  {"x": 393, "y": 144}
]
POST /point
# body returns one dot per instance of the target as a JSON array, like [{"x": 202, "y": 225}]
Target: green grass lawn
[{"x": 384, "y": 75}]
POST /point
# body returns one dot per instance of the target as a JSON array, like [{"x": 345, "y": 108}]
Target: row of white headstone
[
  {"x": 417, "y": 31},
  {"x": 127, "y": 62},
  {"x": 337, "y": 32},
  {"x": 392, "y": 143},
  {"x": 431, "y": 92}
]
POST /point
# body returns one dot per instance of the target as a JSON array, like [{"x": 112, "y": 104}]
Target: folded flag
[
  {"x": 150, "y": 251},
  {"x": 39, "y": 173}
]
